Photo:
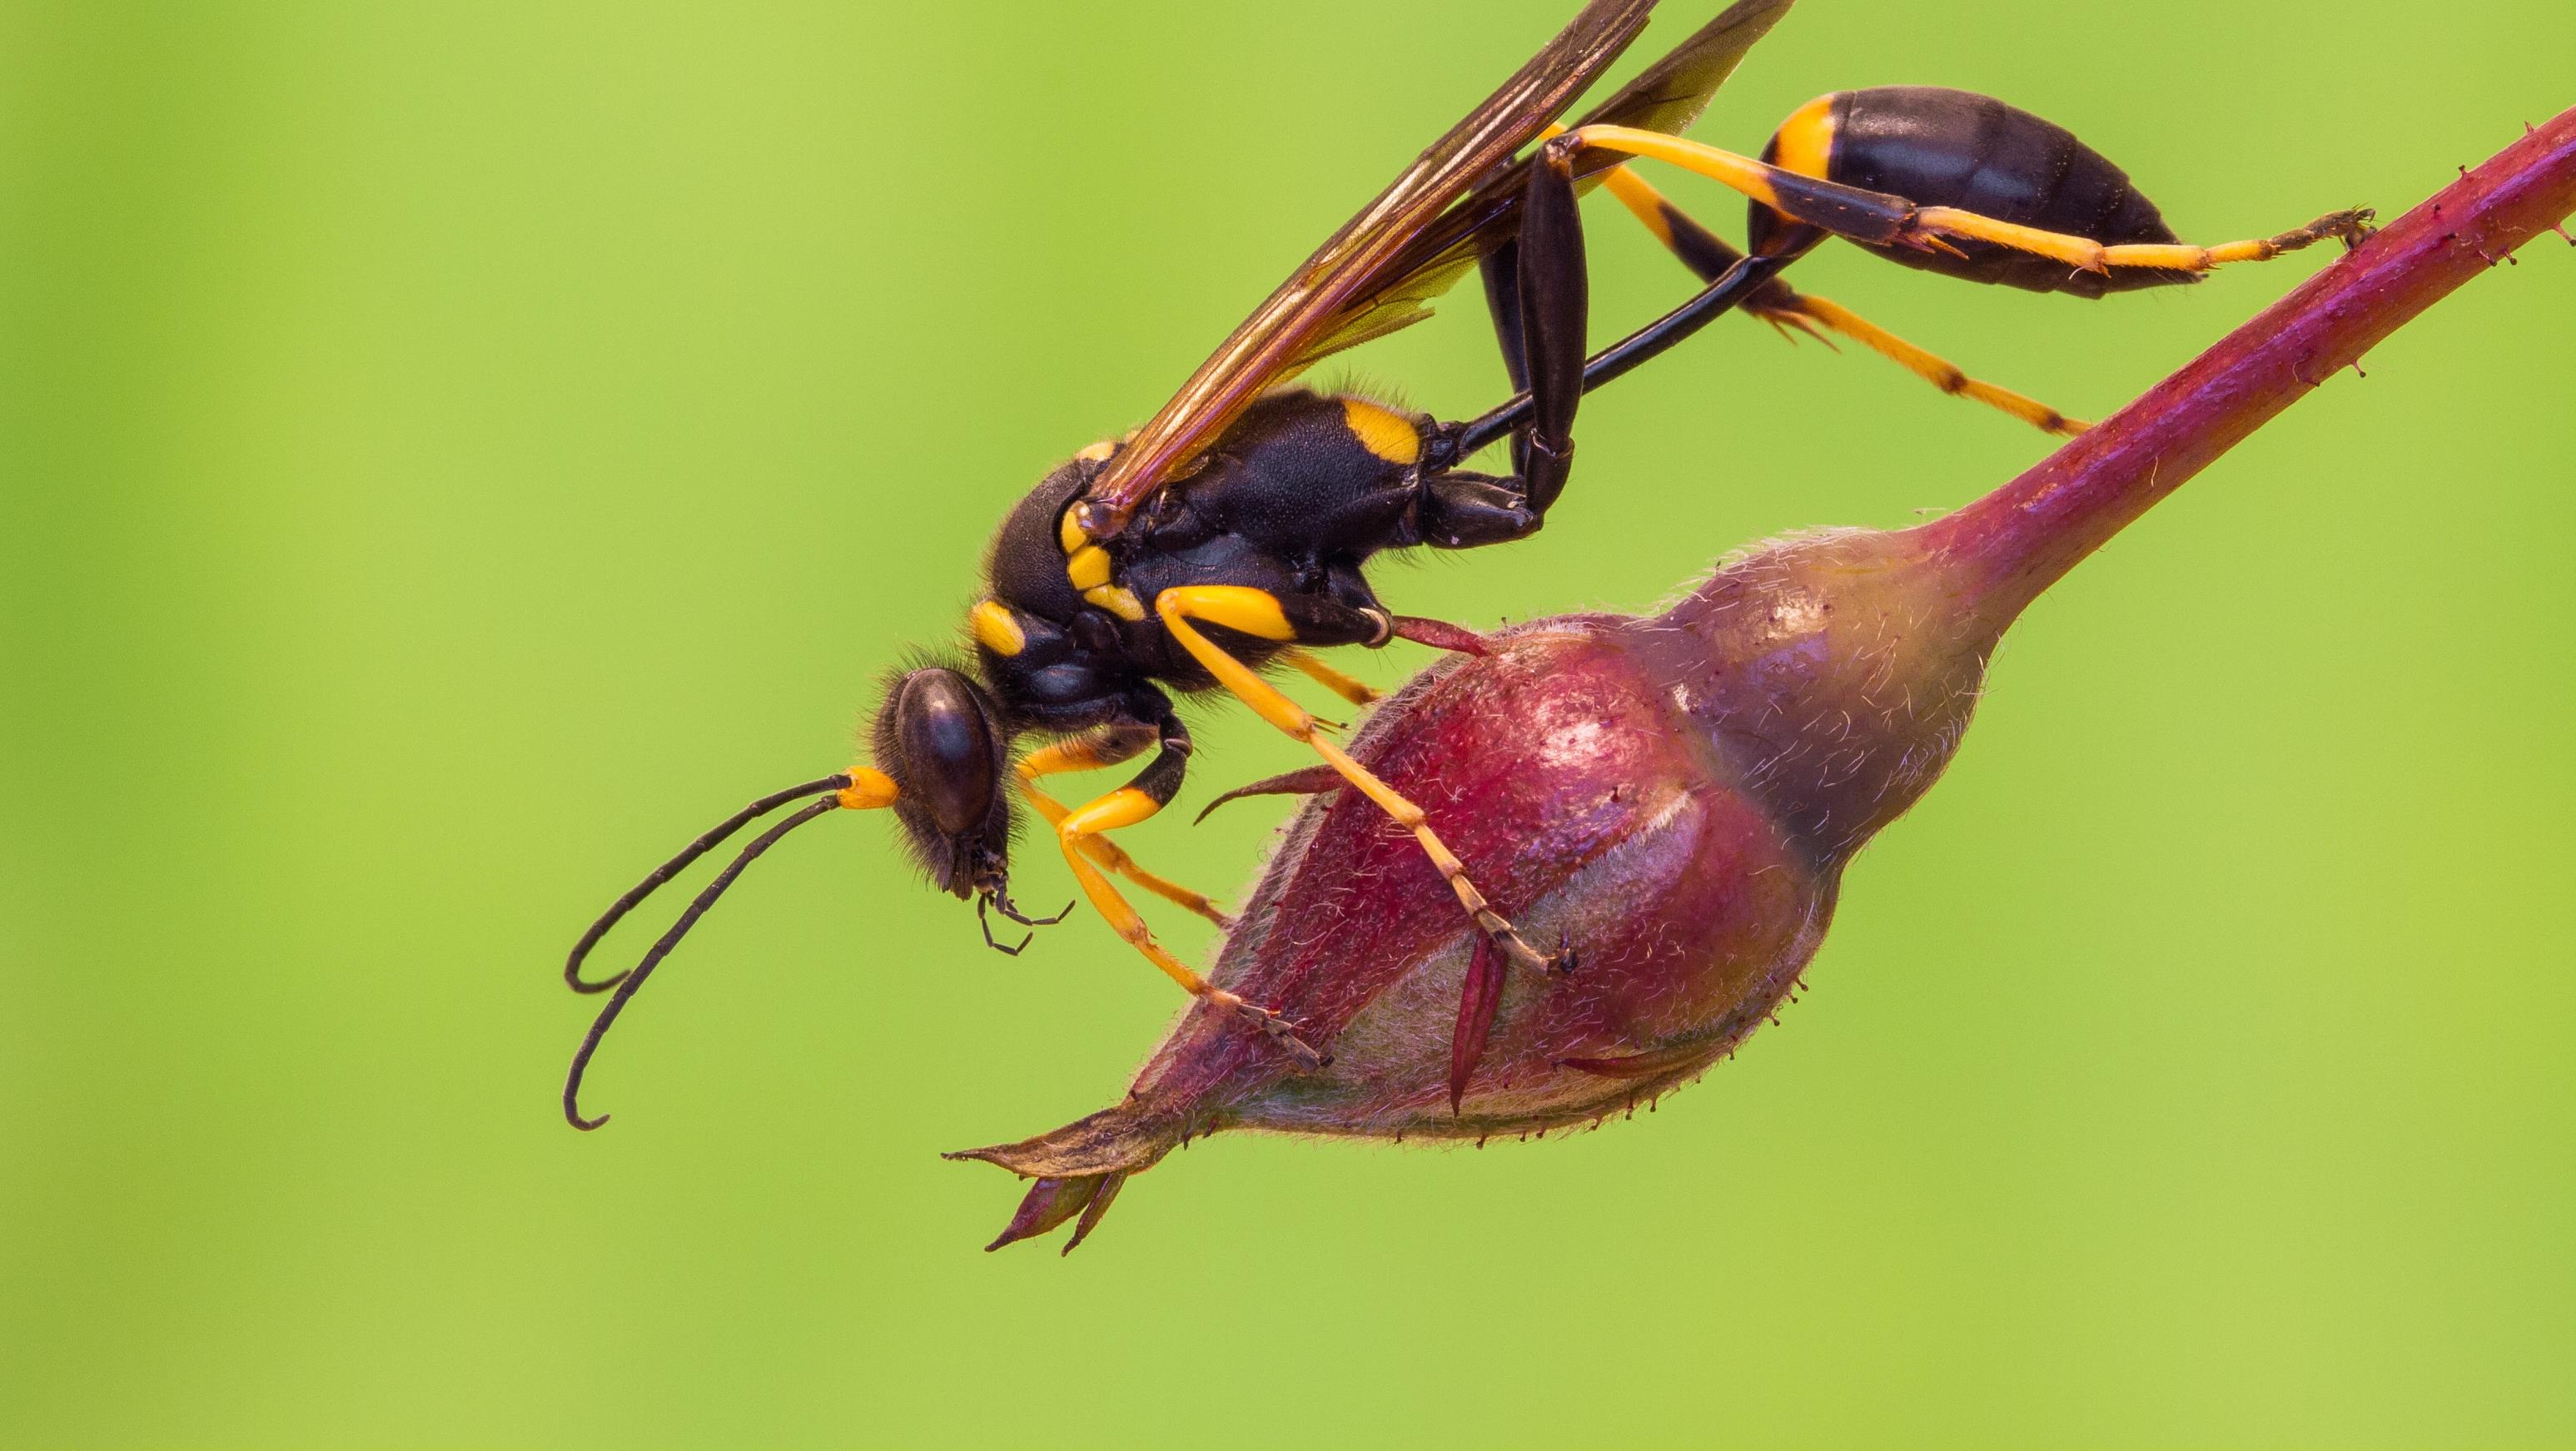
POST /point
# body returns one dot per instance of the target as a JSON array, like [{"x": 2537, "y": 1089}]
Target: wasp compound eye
[
  {"x": 944, "y": 740},
  {"x": 941, "y": 738}
]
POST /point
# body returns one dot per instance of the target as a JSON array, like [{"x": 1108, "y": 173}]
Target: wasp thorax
[{"x": 941, "y": 738}]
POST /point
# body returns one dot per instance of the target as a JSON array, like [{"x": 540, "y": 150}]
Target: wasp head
[{"x": 943, "y": 740}]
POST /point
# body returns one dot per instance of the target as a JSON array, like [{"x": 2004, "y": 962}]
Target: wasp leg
[
  {"x": 1538, "y": 290},
  {"x": 1501, "y": 269},
  {"x": 1709, "y": 256},
  {"x": 1152, "y": 790},
  {"x": 1932, "y": 368},
  {"x": 1357, "y": 692},
  {"x": 1555, "y": 302},
  {"x": 2092, "y": 256},
  {"x": 1264, "y": 616},
  {"x": 1459, "y": 440},
  {"x": 1109, "y": 746},
  {"x": 1439, "y": 635},
  {"x": 1892, "y": 221}
]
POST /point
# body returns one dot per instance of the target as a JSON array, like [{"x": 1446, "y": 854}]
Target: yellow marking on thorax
[
  {"x": 1117, "y": 599},
  {"x": 1087, "y": 567},
  {"x": 1805, "y": 142},
  {"x": 997, "y": 629},
  {"x": 1098, "y": 452},
  {"x": 1383, "y": 433}
]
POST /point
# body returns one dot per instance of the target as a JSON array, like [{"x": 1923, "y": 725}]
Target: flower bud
[{"x": 1673, "y": 796}]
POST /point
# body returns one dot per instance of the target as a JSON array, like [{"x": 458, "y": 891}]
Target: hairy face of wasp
[{"x": 941, "y": 738}]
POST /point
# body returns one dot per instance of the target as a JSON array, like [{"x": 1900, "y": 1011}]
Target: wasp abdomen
[{"x": 1938, "y": 147}]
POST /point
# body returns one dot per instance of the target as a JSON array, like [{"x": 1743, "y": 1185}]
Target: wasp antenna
[
  {"x": 669, "y": 869},
  {"x": 629, "y": 982}
]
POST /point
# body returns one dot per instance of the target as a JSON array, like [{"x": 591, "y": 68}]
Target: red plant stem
[{"x": 2021, "y": 538}]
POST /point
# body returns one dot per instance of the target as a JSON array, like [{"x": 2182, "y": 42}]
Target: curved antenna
[
  {"x": 628, "y": 982},
  {"x": 669, "y": 869}
]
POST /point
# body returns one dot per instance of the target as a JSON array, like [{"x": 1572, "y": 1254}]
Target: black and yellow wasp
[{"x": 1230, "y": 532}]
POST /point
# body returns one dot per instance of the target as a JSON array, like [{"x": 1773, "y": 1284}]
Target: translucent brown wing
[
  {"x": 1350, "y": 270},
  {"x": 1667, "y": 96}
]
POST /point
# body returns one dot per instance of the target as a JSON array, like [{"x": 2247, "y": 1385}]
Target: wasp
[{"x": 1228, "y": 536}]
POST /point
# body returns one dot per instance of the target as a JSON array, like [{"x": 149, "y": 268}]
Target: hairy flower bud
[{"x": 1674, "y": 796}]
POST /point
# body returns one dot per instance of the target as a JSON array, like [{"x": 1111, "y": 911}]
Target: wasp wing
[
  {"x": 1667, "y": 96},
  {"x": 1351, "y": 270}
]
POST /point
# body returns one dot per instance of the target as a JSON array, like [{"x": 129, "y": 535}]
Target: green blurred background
[{"x": 451, "y": 454}]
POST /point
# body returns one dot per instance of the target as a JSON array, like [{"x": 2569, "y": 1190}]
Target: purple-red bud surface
[{"x": 1674, "y": 796}]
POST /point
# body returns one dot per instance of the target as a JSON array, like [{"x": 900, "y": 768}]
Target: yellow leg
[
  {"x": 1757, "y": 179},
  {"x": 1357, "y": 692},
  {"x": 1794, "y": 195},
  {"x": 1938, "y": 371},
  {"x": 1809, "y": 314},
  {"x": 1254, "y": 612},
  {"x": 1089, "y": 753},
  {"x": 1125, "y": 807},
  {"x": 2092, "y": 256}
]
